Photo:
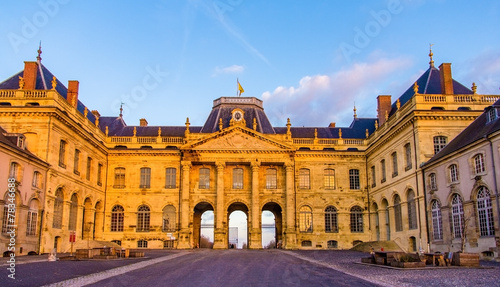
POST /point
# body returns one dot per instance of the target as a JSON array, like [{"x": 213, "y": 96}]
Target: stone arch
[
  {"x": 87, "y": 218},
  {"x": 98, "y": 220},
  {"x": 277, "y": 210},
  {"x": 199, "y": 208}
]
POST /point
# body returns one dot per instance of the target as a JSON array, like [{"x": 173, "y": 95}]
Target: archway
[
  {"x": 272, "y": 211},
  {"x": 237, "y": 214},
  {"x": 203, "y": 225},
  {"x": 376, "y": 220}
]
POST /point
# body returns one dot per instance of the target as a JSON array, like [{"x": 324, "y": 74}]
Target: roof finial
[
  {"x": 121, "y": 110},
  {"x": 355, "y": 116},
  {"x": 431, "y": 62},
  {"x": 38, "y": 57}
]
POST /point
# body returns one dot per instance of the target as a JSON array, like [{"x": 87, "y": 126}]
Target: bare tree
[{"x": 464, "y": 232}]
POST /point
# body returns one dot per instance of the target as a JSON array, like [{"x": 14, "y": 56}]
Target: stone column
[
  {"x": 184, "y": 233},
  {"x": 88, "y": 224},
  {"x": 290, "y": 231},
  {"x": 219, "y": 232},
  {"x": 255, "y": 241}
]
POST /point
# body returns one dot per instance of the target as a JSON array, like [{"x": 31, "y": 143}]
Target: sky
[{"x": 310, "y": 61}]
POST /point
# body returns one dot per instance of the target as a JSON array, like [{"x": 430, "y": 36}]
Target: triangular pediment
[{"x": 238, "y": 138}]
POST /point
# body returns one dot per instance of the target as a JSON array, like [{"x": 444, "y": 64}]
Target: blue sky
[{"x": 310, "y": 61}]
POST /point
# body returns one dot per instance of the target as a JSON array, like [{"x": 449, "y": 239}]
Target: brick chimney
[
  {"x": 383, "y": 107},
  {"x": 73, "y": 93},
  {"x": 143, "y": 122},
  {"x": 29, "y": 75},
  {"x": 332, "y": 125},
  {"x": 446, "y": 79}
]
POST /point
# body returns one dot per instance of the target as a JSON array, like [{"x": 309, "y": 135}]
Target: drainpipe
[
  {"x": 40, "y": 229},
  {"x": 368, "y": 199},
  {"x": 494, "y": 175}
]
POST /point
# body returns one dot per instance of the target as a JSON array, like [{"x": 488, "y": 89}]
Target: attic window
[
  {"x": 463, "y": 108},
  {"x": 146, "y": 147},
  {"x": 20, "y": 141},
  {"x": 491, "y": 115},
  {"x": 34, "y": 104},
  {"x": 437, "y": 109},
  {"x": 5, "y": 104}
]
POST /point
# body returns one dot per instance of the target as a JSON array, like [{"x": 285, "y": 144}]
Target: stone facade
[{"x": 147, "y": 186}]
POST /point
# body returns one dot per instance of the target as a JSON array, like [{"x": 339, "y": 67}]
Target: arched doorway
[
  {"x": 203, "y": 225},
  {"x": 272, "y": 211},
  {"x": 238, "y": 225},
  {"x": 376, "y": 220},
  {"x": 385, "y": 208}
]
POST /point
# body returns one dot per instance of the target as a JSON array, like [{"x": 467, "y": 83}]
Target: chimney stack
[
  {"x": 30, "y": 74},
  {"x": 446, "y": 79},
  {"x": 73, "y": 93},
  {"x": 383, "y": 107},
  {"x": 332, "y": 125},
  {"x": 143, "y": 122}
]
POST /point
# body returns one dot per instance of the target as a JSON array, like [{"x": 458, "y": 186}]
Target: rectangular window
[
  {"x": 479, "y": 164},
  {"x": 145, "y": 177},
  {"x": 31, "y": 223},
  {"x": 453, "y": 173},
  {"x": 37, "y": 179},
  {"x": 329, "y": 179},
  {"x": 374, "y": 180},
  {"x": 170, "y": 177},
  {"x": 14, "y": 171},
  {"x": 237, "y": 178},
  {"x": 119, "y": 178},
  {"x": 204, "y": 182},
  {"x": 439, "y": 143},
  {"x": 304, "y": 182},
  {"x": 271, "y": 178},
  {"x": 62, "y": 154},
  {"x": 408, "y": 157},
  {"x": 394, "y": 164},
  {"x": 382, "y": 168},
  {"x": 354, "y": 179},
  {"x": 99, "y": 174},
  {"x": 76, "y": 162},
  {"x": 89, "y": 167}
]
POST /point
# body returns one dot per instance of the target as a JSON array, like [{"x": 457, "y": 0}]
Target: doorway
[
  {"x": 203, "y": 225},
  {"x": 238, "y": 226},
  {"x": 271, "y": 227}
]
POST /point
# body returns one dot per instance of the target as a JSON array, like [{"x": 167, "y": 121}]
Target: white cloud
[
  {"x": 484, "y": 70},
  {"x": 320, "y": 99},
  {"x": 234, "y": 69}
]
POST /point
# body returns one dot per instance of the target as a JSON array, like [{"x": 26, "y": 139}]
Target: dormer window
[
  {"x": 491, "y": 115},
  {"x": 20, "y": 141}
]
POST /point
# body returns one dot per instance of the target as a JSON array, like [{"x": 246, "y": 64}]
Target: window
[
  {"x": 15, "y": 171},
  {"x": 485, "y": 212},
  {"x": 305, "y": 219},
  {"x": 382, "y": 168},
  {"x": 204, "y": 178},
  {"x": 37, "y": 179},
  {"x": 119, "y": 242},
  {"x": 237, "y": 178},
  {"x": 306, "y": 243},
  {"x": 271, "y": 178},
  {"x": 168, "y": 218},
  {"x": 76, "y": 162},
  {"x": 412, "y": 210},
  {"x": 332, "y": 244},
  {"x": 354, "y": 179},
  {"x": 394, "y": 164},
  {"x": 329, "y": 178},
  {"x": 356, "y": 219},
  {"x": 143, "y": 217},
  {"x": 491, "y": 115},
  {"x": 453, "y": 173},
  {"x": 170, "y": 177},
  {"x": 397, "y": 213},
  {"x": 99, "y": 174},
  {"x": 58, "y": 209},
  {"x": 145, "y": 177},
  {"x": 89, "y": 167},
  {"x": 119, "y": 177},
  {"x": 374, "y": 180},
  {"x": 304, "y": 180},
  {"x": 457, "y": 213},
  {"x": 331, "y": 222},
  {"x": 437, "y": 220},
  {"x": 31, "y": 222},
  {"x": 142, "y": 244},
  {"x": 408, "y": 156},
  {"x": 439, "y": 143},
  {"x": 62, "y": 154},
  {"x": 432, "y": 181},
  {"x": 73, "y": 212},
  {"x": 9, "y": 219},
  {"x": 479, "y": 164},
  {"x": 117, "y": 216}
]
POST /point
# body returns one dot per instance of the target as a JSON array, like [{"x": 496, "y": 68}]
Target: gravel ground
[{"x": 349, "y": 262}]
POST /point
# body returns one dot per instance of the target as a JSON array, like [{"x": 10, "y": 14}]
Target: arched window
[
  {"x": 119, "y": 177},
  {"x": 356, "y": 219},
  {"x": 271, "y": 178},
  {"x": 306, "y": 243},
  {"x": 439, "y": 143},
  {"x": 73, "y": 212},
  {"x": 332, "y": 244},
  {"x": 485, "y": 212},
  {"x": 58, "y": 209},
  {"x": 453, "y": 169},
  {"x": 169, "y": 218},
  {"x": 457, "y": 213},
  {"x": 304, "y": 180},
  {"x": 143, "y": 216},
  {"x": 117, "y": 216},
  {"x": 397, "y": 213},
  {"x": 237, "y": 178},
  {"x": 479, "y": 164},
  {"x": 305, "y": 219},
  {"x": 412, "y": 210},
  {"x": 204, "y": 182},
  {"x": 329, "y": 178},
  {"x": 437, "y": 220},
  {"x": 331, "y": 222}
]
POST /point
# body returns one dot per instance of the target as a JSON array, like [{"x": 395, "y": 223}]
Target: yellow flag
[{"x": 240, "y": 88}]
